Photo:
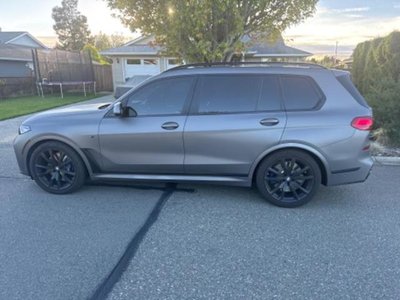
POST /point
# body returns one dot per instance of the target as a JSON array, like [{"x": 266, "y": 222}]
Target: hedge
[{"x": 376, "y": 73}]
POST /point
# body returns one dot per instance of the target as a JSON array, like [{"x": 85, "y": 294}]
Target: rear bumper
[{"x": 355, "y": 175}]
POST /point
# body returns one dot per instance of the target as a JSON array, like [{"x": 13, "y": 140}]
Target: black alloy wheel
[
  {"x": 288, "y": 178},
  {"x": 57, "y": 168}
]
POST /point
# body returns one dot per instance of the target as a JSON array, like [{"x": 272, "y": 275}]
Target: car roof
[{"x": 245, "y": 68}]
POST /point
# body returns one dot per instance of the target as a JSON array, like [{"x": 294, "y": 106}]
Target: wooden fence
[
  {"x": 103, "y": 77},
  {"x": 16, "y": 86},
  {"x": 21, "y": 86}
]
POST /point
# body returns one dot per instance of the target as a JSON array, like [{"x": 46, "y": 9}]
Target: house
[
  {"x": 15, "y": 53},
  {"x": 141, "y": 57}
]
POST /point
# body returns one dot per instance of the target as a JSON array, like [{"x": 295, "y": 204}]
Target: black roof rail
[{"x": 240, "y": 63}]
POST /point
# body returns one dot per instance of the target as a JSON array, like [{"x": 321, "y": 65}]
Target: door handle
[
  {"x": 269, "y": 122},
  {"x": 170, "y": 125}
]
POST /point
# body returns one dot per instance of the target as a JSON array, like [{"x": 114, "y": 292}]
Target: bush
[{"x": 376, "y": 73}]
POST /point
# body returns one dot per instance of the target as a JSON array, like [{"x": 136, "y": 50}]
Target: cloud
[
  {"x": 354, "y": 16},
  {"x": 353, "y": 9},
  {"x": 326, "y": 27}
]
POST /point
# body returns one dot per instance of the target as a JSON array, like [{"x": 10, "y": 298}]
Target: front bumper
[{"x": 21, "y": 152}]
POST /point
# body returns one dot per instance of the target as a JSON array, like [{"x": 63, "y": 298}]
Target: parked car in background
[
  {"x": 129, "y": 84},
  {"x": 284, "y": 128}
]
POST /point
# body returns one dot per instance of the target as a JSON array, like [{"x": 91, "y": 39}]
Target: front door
[
  {"x": 152, "y": 141},
  {"x": 233, "y": 120}
]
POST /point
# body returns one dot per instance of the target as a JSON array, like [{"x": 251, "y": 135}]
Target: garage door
[{"x": 138, "y": 66}]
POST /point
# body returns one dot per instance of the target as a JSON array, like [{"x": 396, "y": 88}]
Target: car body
[{"x": 215, "y": 124}]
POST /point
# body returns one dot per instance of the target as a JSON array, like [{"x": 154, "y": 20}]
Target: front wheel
[
  {"x": 288, "y": 178},
  {"x": 57, "y": 168}
]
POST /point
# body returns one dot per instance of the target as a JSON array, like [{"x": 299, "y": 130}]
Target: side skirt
[{"x": 225, "y": 180}]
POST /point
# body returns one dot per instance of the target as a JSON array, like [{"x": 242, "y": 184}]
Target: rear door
[{"x": 233, "y": 119}]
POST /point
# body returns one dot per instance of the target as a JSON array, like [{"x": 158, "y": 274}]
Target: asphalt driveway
[
  {"x": 61, "y": 247},
  {"x": 214, "y": 243}
]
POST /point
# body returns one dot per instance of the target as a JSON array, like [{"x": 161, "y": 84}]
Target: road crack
[{"x": 115, "y": 275}]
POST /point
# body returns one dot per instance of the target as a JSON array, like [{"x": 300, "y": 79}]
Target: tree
[
  {"x": 95, "y": 55},
  {"x": 103, "y": 41},
  {"x": 209, "y": 30},
  {"x": 70, "y": 25},
  {"x": 326, "y": 61}
]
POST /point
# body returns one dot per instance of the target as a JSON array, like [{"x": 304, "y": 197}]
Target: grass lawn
[{"x": 14, "y": 107}]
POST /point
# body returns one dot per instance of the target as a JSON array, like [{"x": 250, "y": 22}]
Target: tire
[
  {"x": 57, "y": 168},
  {"x": 288, "y": 178}
]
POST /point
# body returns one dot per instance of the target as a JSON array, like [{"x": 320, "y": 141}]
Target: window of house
[
  {"x": 131, "y": 61},
  {"x": 150, "y": 62}
]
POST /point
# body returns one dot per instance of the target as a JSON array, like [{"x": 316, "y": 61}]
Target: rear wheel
[
  {"x": 288, "y": 178},
  {"x": 57, "y": 168}
]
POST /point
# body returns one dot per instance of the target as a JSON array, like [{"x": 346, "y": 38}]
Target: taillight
[{"x": 362, "y": 123}]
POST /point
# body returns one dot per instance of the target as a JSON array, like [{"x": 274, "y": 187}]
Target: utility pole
[{"x": 336, "y": 52}]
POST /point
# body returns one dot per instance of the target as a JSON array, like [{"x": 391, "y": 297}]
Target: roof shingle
[
  {"x": 11, "y": 52},
  {"x": 6, "y": 36}
]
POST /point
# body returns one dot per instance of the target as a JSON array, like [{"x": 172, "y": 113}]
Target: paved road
[
  {"x": 219, "y": 242},
  {"x": 227, "y": 243},
  {"x": 61, "y": 247}
]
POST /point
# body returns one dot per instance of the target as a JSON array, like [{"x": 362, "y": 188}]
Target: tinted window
[
  {"x": 270, "y": 94},
  {"x": 164, "y": 97},
  {"x": 300, "y": 93},
  {"x": 227, "y": 94},
  {"x": 349, "y": 86}
]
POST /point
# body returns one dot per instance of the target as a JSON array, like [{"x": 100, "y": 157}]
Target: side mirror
[
  {"x": 117, "y": 109},
  {"x": 131, "y": 112}
]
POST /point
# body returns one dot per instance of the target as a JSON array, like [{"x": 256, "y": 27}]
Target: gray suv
[{"x": 284, "y": 128}]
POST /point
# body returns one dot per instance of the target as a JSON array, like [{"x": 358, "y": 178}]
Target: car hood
[{"x": 70, "y": 112}]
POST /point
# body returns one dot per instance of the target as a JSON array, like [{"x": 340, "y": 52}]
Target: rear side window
[
  {"x": 227, "y": 94},
  {"x": 345, "y": 81},
  {"x": 270, "y": 97},
  {"x": 300, "y": 93}
]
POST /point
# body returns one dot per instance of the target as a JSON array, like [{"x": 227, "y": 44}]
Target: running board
[{"x": 228, "y": 180}]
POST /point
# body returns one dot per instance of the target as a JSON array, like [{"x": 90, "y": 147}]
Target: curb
[{"x": 387, "y": 160}]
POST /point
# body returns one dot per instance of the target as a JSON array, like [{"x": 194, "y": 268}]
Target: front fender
[{"x": 30, "y": 145}]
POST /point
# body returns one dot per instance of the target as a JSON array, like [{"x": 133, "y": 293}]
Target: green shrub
[{"x": 376, "y": 73}]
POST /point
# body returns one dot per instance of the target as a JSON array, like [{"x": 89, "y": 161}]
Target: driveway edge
[{"x": 387, "y": 160}]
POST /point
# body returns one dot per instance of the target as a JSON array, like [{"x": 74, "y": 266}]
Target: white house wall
[{"x": 118, "y": 71}]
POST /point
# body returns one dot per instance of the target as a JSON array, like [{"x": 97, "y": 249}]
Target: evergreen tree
[{"x": 71, "y": 26}]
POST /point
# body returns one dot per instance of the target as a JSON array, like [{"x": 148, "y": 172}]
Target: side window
[
  {"x": 163, "y": 97},
  {"x": 227, "y": 94},
  {"x": 270, "y": 98},
  {"x": 300, "y": 93}
]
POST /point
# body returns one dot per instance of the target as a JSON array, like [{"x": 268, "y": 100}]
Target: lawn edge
[{"x": 45, "y": 109}]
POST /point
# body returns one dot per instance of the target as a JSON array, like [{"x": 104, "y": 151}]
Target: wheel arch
[
  {"x": 44, "y": 139},
  {"x": 315, "y": 154}
]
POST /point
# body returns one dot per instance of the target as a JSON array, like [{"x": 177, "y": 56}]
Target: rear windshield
[{"x": 349, "y": 86}]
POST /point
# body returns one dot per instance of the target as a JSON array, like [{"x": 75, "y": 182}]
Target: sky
[{"x": 347, "y": 22}]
